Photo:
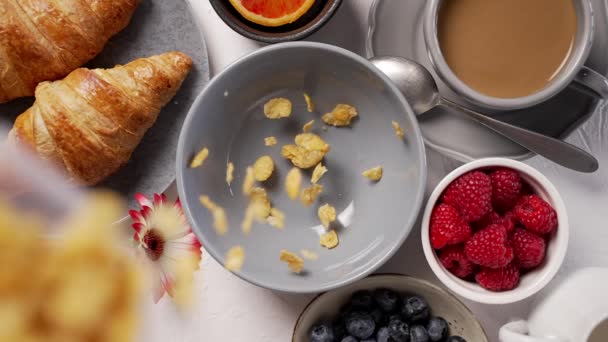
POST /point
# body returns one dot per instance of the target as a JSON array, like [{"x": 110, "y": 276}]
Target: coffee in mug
[
  {"x": 506, "y": 48},
  {"x": 600, "y": 333}
]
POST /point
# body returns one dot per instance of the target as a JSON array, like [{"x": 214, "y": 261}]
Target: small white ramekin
[{"x": 532, "y": 281}]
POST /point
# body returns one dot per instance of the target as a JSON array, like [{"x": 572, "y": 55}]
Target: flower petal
[
  {"x": 146, "y": 212},
  {"x": 142, "y": 200},
  {"x": 138, "y": 227},
  {"x": 136, "y": 216}
]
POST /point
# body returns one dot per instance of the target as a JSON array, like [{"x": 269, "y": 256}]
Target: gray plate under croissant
[
  {"x": 396, "y": 30},
  {"x": 228, "y": 119},
  {"x": 157, "y": 26}
]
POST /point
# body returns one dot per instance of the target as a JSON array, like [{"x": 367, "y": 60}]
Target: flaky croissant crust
[
  {"x": 90, "y": 122},
  {"x": 42, "y": 40}
]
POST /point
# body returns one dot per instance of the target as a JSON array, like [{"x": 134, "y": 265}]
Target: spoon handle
[{"x": 558, "y": 151}]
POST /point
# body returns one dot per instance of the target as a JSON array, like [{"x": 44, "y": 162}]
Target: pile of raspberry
[{"x": 489, "y": 227}]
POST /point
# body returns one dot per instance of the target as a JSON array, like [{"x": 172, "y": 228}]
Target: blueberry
[
  {"x": 383, "y": 335},
  {"x": 455, "y": 339},
  {"x": 360, "y": 324},
  {"x": 362, "y": 300},
  {"x": 394, "y": 317},
  {"x": 349, "y": 339},
  {"x": 415, "y": 309},
  {"x": 387, "y": 300},
  {"x": 378, "y": 316},
  {"x": 369, "y": 340},
  {"x": 398, "y": 331},
  {"x": 437, "y": 328},
  {"x": 321, "y": 333},
  {"x": 418, "y": 334}
]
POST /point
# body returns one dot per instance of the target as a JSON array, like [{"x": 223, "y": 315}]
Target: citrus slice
[{"x": 272, "y": 12}]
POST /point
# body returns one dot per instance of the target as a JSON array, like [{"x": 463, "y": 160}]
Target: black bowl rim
[{"x": 273, "y": 40}]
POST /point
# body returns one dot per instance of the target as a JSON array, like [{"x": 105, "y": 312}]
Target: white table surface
[{"x": 228, "y": 309}]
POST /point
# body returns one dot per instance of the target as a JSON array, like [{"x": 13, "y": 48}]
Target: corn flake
[
  {"x": 249, "y": 180},
  {"x": 374, "y": 173},
  {"x": 310, "y": 106},
  {"x": 317, "y": 173},
  {"x": 308, "y": 254},
  {"x": 263, "y": 168},
  {"x": 294, "y": 262},
  {"x": 258, "y": 209},
  {"x": 293, "y": 182},
  {"x": 329, "y": 240},
  {"x": 398, "y": 130},
  {"x": 327, "y": 214},
  {"x": 308, "y": 151},
  {"x": 229, "y": 173},
  {"x": 310, "y": 194},
  {"x": 276, "y": 218},
  {"x": 200, "y": 158},
  {"x": 235, "y": 259},
  {"x": 220, "y": 222},
  {"x": 308, "y": 126},
  {"x": 270, "y": 141},
  {"x": 342, "y": 115},
  {"x": 277, "y": 108}
]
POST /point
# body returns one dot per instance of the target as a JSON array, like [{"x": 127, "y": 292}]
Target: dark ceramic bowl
[{"x": 314, "y": 19}]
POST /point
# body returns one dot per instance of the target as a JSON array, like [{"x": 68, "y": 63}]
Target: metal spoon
[{"x": 419, "y": 88}]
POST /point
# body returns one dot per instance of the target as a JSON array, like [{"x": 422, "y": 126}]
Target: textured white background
[{"x": 227, "y": 309}]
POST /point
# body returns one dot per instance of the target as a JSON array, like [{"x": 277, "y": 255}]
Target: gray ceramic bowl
[
  {"x": 228, "y": 119},
  {"x": 326, "y": 307}
]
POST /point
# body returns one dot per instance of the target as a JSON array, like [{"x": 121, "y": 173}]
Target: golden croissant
[
  {"x": 44, "y": 40},
  {"x": 90, "y": 122}
]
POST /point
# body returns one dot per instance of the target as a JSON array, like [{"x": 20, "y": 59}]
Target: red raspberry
[
  {"x": 529, "y": 248},
  {"x": 471, "y": 194},
  {"x": 454, "y": 260},
  {"x": 535, "y": 214},
  {"x": 447, "y": 227},
  {"x": 508, "y": 221},
  {"x": 506, "y": 188},
  {"x": 490, "y": 247},
  {"x": 498, "y": 279}
]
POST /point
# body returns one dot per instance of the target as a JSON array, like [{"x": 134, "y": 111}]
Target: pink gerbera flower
[{"x": 164, "y": 240}]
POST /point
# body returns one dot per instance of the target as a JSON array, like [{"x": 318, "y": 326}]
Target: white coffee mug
[{"x": 573, "y": 311}]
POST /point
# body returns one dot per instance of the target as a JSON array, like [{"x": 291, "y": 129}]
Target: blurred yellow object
[{"x": 78, "y": 287}]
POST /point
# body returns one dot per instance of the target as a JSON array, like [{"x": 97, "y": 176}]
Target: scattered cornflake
[
  {"x": 249, "y": 180},
  {"x": 229, "y": 173},
  {"x": 340, "y": 116},
  {"x": 317, "y": 173},
  {"x": 308, "y": 126},
  {"x": 327, "y": 214},
  {"x": 398, "y": 129},
  {"x": 308, "y": 151},
  {"x": 235, "y": 258},
  {"x": 310, "y": 194},
  {"x": 374, "y": 173},
  {"x": 263, "y": 168},
  {"x": 270, "y": 141},
  {"x": 310, "y": 106},
  {"x": 220, "y": 222},
  {"x": 277, "y": 108},
  {"x": 261, "y": 203},
  {"x": 200, "y": 158},
  {"x": 329, "y": 240},
  {"x": 294, "y": 262},
  {"x": 293, "y": 182},
  {"x": 276, "y": 218},
  {"x": 308, "y": 254}
]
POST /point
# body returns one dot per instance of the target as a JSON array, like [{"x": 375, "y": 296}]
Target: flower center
[{"x": 155, "y": 244}]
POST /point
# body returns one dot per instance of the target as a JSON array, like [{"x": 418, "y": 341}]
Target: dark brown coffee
[{"x": 507, "y": 48}]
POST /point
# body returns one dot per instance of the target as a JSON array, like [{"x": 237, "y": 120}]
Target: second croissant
[{"x": 90, "y": 122}]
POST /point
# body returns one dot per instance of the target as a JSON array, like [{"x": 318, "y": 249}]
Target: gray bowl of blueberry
[{"x": 388, "y": 308}]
